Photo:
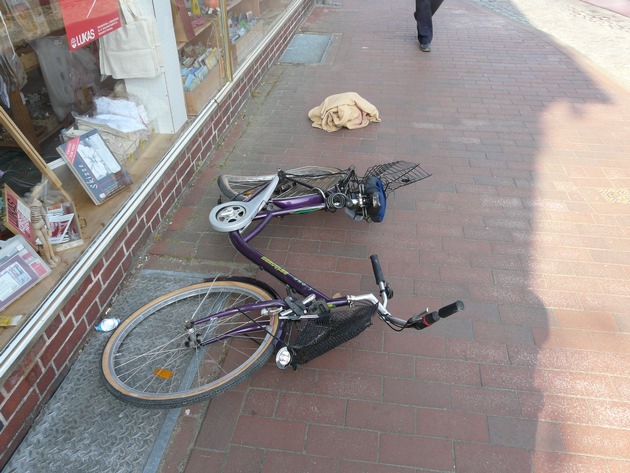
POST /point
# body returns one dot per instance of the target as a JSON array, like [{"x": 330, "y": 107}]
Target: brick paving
[
  {"x": 526, "y": 218},
  {"x": 595, "y": 29}
]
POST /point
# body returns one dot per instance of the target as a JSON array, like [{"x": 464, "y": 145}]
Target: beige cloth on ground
[{"x": 348, "y": 110}]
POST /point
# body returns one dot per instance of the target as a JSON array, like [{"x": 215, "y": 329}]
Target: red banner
[
  {"x": 72, "y": 147},
  {"x": 88, "y": 20}
]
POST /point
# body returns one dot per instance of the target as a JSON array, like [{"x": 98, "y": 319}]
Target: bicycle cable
[
  {"x": 392, "y": 326},
  {"x": 279, "y": 340}
]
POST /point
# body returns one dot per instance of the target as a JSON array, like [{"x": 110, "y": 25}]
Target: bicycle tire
[
  {"x": 241, "y": 187},
  {"x": 146, "y": 361}
]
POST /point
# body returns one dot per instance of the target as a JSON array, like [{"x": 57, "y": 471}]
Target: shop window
[
  {"x": 61, "y": 81},
  {"x": 54, "y": 94}
]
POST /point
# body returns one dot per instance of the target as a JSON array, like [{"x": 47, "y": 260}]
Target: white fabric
[
  {"x": 124, "y": 124},
  {"x": 132, "y": 51},
  {"x": 122, "y": 108}
]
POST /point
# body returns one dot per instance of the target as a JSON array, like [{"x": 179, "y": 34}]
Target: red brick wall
[{"x": 48, "y": 361}]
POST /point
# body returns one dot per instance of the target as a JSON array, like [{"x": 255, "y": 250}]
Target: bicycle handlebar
[
  {"x": 450, "y": 309},
  {"x": 420, "y": 321},
  {"x": 376, "y": 267},
  {"x": 424, "y": 320}
]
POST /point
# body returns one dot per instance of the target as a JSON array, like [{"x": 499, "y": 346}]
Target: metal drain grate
[{"x": 307, "y": 48}]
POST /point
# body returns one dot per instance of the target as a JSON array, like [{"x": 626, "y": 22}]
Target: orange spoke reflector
[{"x": 162, "y": 373}]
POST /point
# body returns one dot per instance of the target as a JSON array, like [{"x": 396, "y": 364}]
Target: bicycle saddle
[{"x": 234, "y": 215}]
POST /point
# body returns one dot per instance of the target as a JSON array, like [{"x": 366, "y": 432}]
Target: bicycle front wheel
[{"x": 153, "y": 360}]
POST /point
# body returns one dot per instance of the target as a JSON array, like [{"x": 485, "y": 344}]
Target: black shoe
[{"x": 425, "y": 47}]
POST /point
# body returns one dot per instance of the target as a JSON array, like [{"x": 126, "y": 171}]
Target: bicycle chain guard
[{"x": 235, "y": 215}]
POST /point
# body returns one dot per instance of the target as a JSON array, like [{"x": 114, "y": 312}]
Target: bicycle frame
[
  {"x": 281, "y": 206},
  {"x": 241, "y": 242}
]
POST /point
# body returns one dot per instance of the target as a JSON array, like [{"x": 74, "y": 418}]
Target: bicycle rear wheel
[
  {"x": 241, "y": 187},
  {"x": 150, "y": 360}
]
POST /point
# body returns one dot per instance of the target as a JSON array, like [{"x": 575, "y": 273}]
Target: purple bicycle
[{"x": 200, "y": 341}]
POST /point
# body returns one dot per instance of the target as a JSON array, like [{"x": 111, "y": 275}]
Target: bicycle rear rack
[{"x": 396, "y": 174}]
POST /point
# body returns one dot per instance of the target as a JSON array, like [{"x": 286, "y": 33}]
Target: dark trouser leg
[
  {"x": 424, "y": 21},
  {"x": 423, "y": 15}
]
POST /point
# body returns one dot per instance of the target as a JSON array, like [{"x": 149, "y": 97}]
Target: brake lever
[
  {"x": 426, "y": 318},
  {"x": 423, "y": 320}
]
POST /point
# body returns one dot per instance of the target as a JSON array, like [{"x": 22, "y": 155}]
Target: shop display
[
  {"x": 197, "y": 61},
  {"x": 65, "y": 231},
  {"x": 54, "y": 60},
  {"x": 25, "y": 19},
  {"x": 59, "y": 97},
  {"x": 41, "y": 225},
  {"x": 245, "y": 28},
  {"x": 55, "y": 83},
  {"x": 201, "y": 59},
  {"x": 46, "y": 221},
  {"x": 17, "y": 215},
  {"x": 59, "y": 214},
  {"x": 201, "y": 46},
  {"x": 123, "y": 124},
  {"x": 64, "y": 73},
  {"x": 20, "y": 269},
  {"x": 240, "y": 24},
  {"x": 94, "y": 165},
  {"x": 133, "y": 50}
]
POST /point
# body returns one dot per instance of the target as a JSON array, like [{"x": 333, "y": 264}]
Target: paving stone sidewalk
[
  {"x": 594, "y": 32},
  {"x": 526, "y": 218}
]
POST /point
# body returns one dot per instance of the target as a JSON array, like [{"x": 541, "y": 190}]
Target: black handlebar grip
[
  {"x": 376, "y": 266},
  {"x": 450, "y": 309}
]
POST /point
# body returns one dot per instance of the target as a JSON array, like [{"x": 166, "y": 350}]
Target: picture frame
[
  {"x": 20, "y": 269},
  {"x": 17, "y": 215}
]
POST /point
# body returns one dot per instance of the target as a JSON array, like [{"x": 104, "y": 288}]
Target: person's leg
[{"x": 423, "y": 19}]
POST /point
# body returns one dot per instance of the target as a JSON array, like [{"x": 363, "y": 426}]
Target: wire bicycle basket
[
  {"x": 396, "y": 174},
  {"x": 321, "y": 335}
]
